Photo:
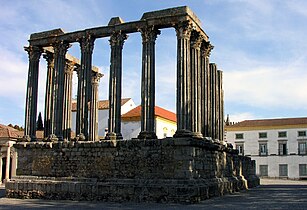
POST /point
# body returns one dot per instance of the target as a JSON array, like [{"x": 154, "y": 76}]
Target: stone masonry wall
[{"x": 176, "y": 170}]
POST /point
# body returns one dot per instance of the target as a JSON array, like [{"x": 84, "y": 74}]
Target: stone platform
[{"x": 165, "y": 170}]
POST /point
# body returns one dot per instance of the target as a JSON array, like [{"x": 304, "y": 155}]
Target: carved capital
[
  {"x": 49, "y": 58},
  {"x": 118, "y": 39},
  {"x": 149, "y": 34},
  {"x": 196, "y": 40},
  {"x": 96, "y": 78},
  {"x": 87, "y": 43},
  {"x": 69, "y": 67},
  {"x": 34, "y": 52},
  {"x": 206, "y": 48},
  {"x": 183, "y": 30},
  {"x": 60, "y": 48}
]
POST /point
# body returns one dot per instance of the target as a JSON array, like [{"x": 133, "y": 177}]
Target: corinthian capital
[
  {"x": 206, "y": 48},
  {"x": 196, "y": 40},
  {"x": 96, "y": 78},
  {"x": 118, "y": 39},
  {"x": 60, "y": 48},
  {"x": 34, "y": 52},
  {"x": 149, "y": 34},
  {"x": 49, "y": 58},
  {"x": 184, "y": 29},
  {"x": 87, "y": 43}
]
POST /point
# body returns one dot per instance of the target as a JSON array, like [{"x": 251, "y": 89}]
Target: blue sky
[{"x": 259, "y": 44}]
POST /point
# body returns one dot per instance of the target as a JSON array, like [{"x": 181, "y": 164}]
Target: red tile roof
[
  {"x": 160, "y": 112},
  {"x": 9, "y": 132},
  {"x": 271, "y": 122},
  {"x": 102, "y": 104}
]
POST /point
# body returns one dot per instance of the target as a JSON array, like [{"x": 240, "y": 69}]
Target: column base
[
  {"x": 147, "y": 135},
  {"x": 26, "y": 138},
  {"x": 113, "y": 136},
  {"x": 52, "y": 138},
  {"x": 197, "y": 135},
  {"x": 183, "y": 133}
]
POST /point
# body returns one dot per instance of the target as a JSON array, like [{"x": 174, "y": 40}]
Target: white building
[
  {"x": 127, "y": 104},
  {"x": 131, "y": 119},
  {"x": 279, "y": 146},
  {"x": 165, "y": 122}
]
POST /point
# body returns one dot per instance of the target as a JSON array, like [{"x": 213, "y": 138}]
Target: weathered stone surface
[{"x": 168, "y": 170}]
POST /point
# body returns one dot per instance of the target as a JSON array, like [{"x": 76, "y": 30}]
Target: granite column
[
  {"x": 149, "y": 35},
  {"x": 60, "y": 50},
  {"x": 49, "y": 102},
  {"x": 93, "y": 135},
  {"x": 32, "y": 91},
  {"x": 115, "y": 85},
  {"x": 183, "y": 107},
  {"x": 87, "y": 46},
  {"x": 196, "y": 41}
]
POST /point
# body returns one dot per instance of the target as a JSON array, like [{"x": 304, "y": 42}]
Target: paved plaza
[{"x": 272, "y": 194}]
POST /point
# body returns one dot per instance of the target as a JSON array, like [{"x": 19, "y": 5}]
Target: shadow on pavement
[{"x": 263, "y": 197}]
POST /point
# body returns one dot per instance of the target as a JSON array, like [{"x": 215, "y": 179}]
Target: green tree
[{"x": 39, "y": 123}]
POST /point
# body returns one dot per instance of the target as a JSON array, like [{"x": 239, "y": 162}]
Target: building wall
[
  {"x": 273, "y": 158},
  {"x": 131, "y": 129},
  {"x": 165, "y": 128},
  {"x": 103, "y": 116}
]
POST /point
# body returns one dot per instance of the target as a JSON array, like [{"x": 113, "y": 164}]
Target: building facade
[
  {"x": 279, "y": 146},
  {"x": 165, "y": 123}
]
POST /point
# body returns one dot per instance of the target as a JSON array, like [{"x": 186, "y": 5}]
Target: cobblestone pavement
[{"x": 272, "y": 194}]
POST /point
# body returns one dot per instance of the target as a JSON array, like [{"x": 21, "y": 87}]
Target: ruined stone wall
[{"x": 172, "y": 169}]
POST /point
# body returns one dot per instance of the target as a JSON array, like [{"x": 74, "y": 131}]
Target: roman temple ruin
[{"x": 193, "y": 165}]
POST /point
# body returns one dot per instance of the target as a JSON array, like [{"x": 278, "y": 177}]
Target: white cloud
[
  {"x": 267, "y": 87},
  {"x": 238, "y": 117}
]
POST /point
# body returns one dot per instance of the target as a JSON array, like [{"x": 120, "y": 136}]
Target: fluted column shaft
[
  {"x": 79, "y": 113},
  {"x": 221, "y": 105},
  {"x": 93, "y": 136},
  {"x": 69, "y": 68},
  {"x": 115, "y": 85},
  {"x": 149, "y": 36},
  {"x": 206, "y": 48},
  {"x": 60, "y": 50},
  {"x": 196, "y": 40},
  {"x": 49, "y": 102},
  {"x": 213, "y": 109},
  {"x": 32, "y": 90},
  {"x": 183, "y": 106},
  {"x": 87, "y": 46}
]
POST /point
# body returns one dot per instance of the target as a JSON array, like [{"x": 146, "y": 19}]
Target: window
[
  {"x": 301, "y": 133},
  {"x": 240, "y": 148},
  {"x": 263, "y": 149},
  {"x": 263, "y": 170},
  {"x": 283, "y": 170},
  {"x": 263, "y": 135},
  {"x": 302, "y": 148},
  {"x": 282, "y": 148},
  {"x": 239, "y": 136},
  {"x": 165, "y": 132},
  {"x": 282, "y": 134},
  {"x": 302, "y": 169}
]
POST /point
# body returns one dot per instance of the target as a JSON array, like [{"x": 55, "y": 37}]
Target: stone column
[
  {"x": 196, "y": 41},
  {"x": 60, "y": 50},
  {"x": 69, "y": 68},
  {"x": 32, "y": 90},
  {"x": 14, "y": 162},
  {"x": 87, "y": 46},
  {"x": 93, "y": 136},
  {"x": 213, "y": 110},
  {"x": 49, "y": 102},
  {"x": 149, "y": 35},
  {"x": 79, "y": 112},
  {"x": 115, "y": 85},
  {"x": 8, "y": 161},
  {"x": 183, "y": 32},
  {"x": 221, "y": 104},
  {"x": 206, "y": 47}
]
